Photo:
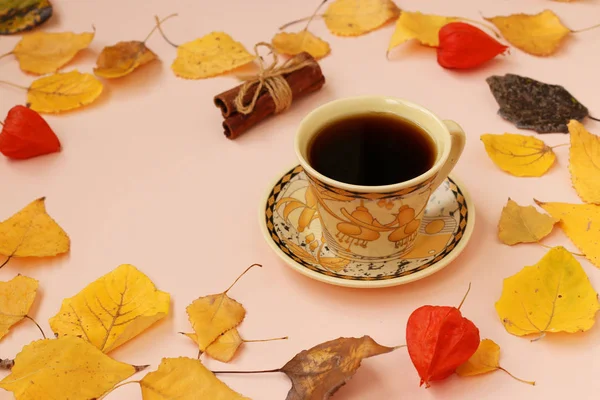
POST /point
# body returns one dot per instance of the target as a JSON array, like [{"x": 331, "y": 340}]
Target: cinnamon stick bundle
[{"x": 302, "y": 82}]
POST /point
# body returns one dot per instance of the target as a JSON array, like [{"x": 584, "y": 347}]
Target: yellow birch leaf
[
  {"x": 520, "y": 224},
  {"x": 581, "y": 223},
  {"x": 584, "y": 162},
  {"x": 122, "y": 59},
  {"x": 485, "y": 359},
  {"x": 32, "y": 233},
  {"x": 357, "y": 17},
  {"x": 113, "y": 309},
  {"x": 298, "y": 42},
  {"x": 63, "y": 91},
  {"x": 224, "y": 347},
  {"x": 519, "y": 155},
  {"x": 540, "y": 34},
  {"x": 211, "y": 55},
  {"x": 215, "y": 314},
  {"x": 554, "y": 295},
  {"x": 184, "y": 378},
  {"x": 64, "y": 368},
  {"x": 23, "y": 15},
  {"x": 45, "y": 52},
  {"x": 16, "y": 298},
  {"x": 415, "y": 25}
]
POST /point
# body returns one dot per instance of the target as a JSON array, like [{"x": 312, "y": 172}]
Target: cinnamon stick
[{"x": 302, "y": 82}]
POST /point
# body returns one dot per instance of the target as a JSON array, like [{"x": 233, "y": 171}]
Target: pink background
[{"x": 146, "y": 177}]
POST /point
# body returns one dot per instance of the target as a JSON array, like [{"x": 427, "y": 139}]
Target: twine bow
[{"x": 271, "y": 78}]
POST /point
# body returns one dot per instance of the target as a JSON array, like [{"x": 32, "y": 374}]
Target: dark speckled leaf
[
  {"x": 530, "y": 104},
  {"x": 23, "y": 15}
]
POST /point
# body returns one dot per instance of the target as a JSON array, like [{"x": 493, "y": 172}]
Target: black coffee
[{"x": 371, "y": 149}]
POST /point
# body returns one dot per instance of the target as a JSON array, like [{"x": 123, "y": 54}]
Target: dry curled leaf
[
  {"x": 215, "y": 314},
  {"x": 298, "y": 42},
  {"x": 63, "y": 92},
  {"x": 64, "y": 368},
  {"x": 45, "y": 52},
  {"x": 23, "y": 15},
  {"x": 32, "y": 233},
  {"x": 520, "y": 224},
  {"x": 122, "y": 59},
  {"x": 584, "y": 162},
  {"x": 318, "y": 372},
  {"x": 554, "y": 295},
  {"x": 113, "y": 309},
  {"x": 211, "y": 55},
  {"x": 581, "y": 223},
  {"x": 531, "y": 104},
  {"x": 16, "y": 298},
  {"x": 185, "y": 379},
  {"x": 357, "y": 17},
  {"x": 415, "y": 25},
  {"x": 486, "y": 359},
  {"x": 540, "y": 34},
  {"x": 519, "y": 155}
]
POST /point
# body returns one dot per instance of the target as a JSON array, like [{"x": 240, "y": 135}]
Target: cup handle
[{"x": 457, "y": 144}]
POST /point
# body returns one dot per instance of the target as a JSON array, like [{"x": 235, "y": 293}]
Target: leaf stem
[
  {"x": 6, "y": 55},
  {"x": 542, "y": 335},
  {"x": 399, "y": 347},
  {"x": 265, "y": 371},
  {"x": 162, "y": 33},
  {"x": 36, "y": 324},
  {"x": 6, "y": 364},
  {"x": 314, "y": 14},
  {"x": 116, "y": 387},
  {"x": 264, "y": 340},
  {"x": 559, "y": 145},
  {"x": 595, "y": 119},
  {"x": 6, "y": 261},
  {"x": 589, "y": 28},
  {"x": 465, "y": 296},
  {"x": 14, "y": 85},
  {"x": 157, "y": 25},
  {"x": 532, "y": 383},
  {"x": 297, "y": 21},
  {"x": 551, "y": 247},
  {"x": 239, "y": 277}
]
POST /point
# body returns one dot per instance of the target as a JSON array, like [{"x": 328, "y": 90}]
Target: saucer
[{"x": 290, "y": 225}]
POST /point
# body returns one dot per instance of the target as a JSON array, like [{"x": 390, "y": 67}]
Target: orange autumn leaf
[{"x": 122, "y": 59}]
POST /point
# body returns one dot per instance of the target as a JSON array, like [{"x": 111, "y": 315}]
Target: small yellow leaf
[
  {"x": 520, "y": 224},
  {"x": 415, "y": 25},
  {"x": 519, "y": 155},
  {"x": 32, "y": 233},
  {"x": 113, "y": 309},
  {"x": 584, "y": 162},
  {"x": 486, "y": 359},
  {"x": 211, "y": 55},
  {"x": 16, "y": 298},
  {"x": 63, "y": 368},
  {"x": 540, "y": 34},
  {"x": 298, "y": 42},
  {"x": 357, "y": 17},
  {"x": 224, "y": 347},
  {"x": 45, "y": 52},
  {"x": 215, "y": 314},
  {"x": 581, "y": 223},
  {"x": 63, "y": 91},
  {"x": 122, "y": 59},
  {"x": 554, "y": 295},
  {"x": 185, "y": 379},
  {"x": 23, "y": 15}
]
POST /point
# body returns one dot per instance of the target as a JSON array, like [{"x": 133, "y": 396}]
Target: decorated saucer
[{"x": 291, "y": 226}]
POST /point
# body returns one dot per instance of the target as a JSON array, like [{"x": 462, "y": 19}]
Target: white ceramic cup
[{"x": 377, "y": 222}]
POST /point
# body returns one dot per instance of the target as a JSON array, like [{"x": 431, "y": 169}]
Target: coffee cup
[{"x": 373, "y": 222}]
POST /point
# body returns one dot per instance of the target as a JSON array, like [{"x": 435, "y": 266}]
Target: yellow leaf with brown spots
[
  {"x": 122, "y": 59},
  {"x": 113, "y": 309},
  {"x": 211, "y": 55}
]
